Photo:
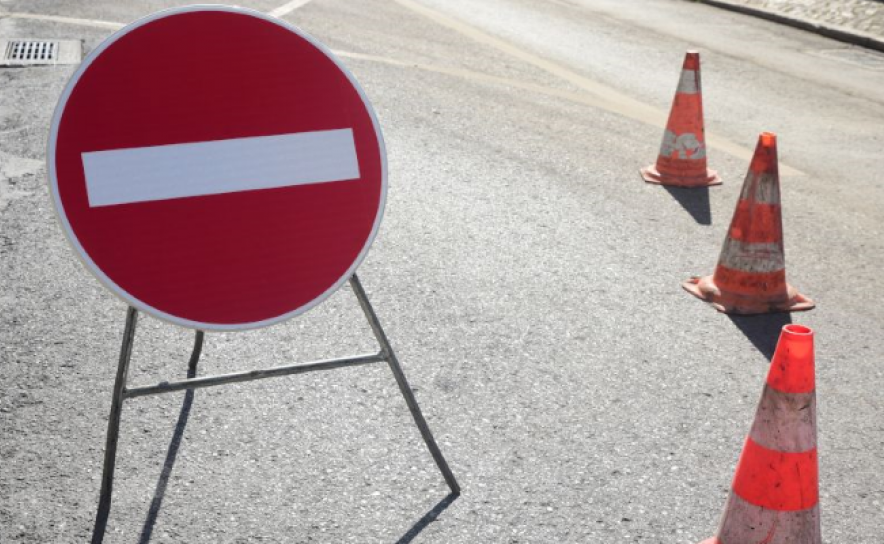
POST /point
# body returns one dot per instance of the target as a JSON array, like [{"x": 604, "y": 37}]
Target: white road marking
[
  {"x": 143, "y": 174},
  {"x": 67, "y": 20},
  {"x": 281, "y": 11},
  {"x": 285, "y": 9}
]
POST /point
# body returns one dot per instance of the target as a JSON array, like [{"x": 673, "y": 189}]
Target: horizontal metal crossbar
[{"x": 249, "y": 375}]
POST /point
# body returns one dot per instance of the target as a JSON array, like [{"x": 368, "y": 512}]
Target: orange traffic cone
[
  {"x": 774, "y": 498},
  {"x": 751, "y": 274},
  {"x": 682, "y": 159}
]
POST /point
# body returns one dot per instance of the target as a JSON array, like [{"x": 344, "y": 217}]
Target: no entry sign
[{"x": 217, "y": 168}]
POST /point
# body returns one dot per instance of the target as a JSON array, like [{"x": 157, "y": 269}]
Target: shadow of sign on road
[
  {"x": 762, "y": 330},
  {"x": 171, "y": 454},
  {"x": 694, "y": 200},
  {"x": 427, "y": 519},
  {"x": 174, "y": 445}
]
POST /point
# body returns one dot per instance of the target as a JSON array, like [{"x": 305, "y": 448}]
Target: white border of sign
[{"x": 97, "y": 272}]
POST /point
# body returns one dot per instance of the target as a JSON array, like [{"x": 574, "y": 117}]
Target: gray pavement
[{"x": 528, "y": 279}]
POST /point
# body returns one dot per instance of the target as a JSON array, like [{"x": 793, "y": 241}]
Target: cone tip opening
[
  {"x": 792, "y": 369},
  {"x": 765, "y": 157},
  {"x": 797, "y": 330},
  {"x": 691, "y": 60},
  {"x": 768, "y": 139}
]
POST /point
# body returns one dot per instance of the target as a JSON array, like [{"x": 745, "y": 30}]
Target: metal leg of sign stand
[
  {"x": 390, "y": 356},
  {"x": 113, "y": 423},
  {"x": 113, "y": 428},
  {"x": 121, "y": 393}
]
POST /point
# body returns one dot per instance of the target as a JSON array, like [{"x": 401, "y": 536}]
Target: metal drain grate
[{"x": 29, "y": 52}]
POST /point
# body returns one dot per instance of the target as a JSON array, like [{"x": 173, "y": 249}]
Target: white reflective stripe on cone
[
  {"x": 761, "y": 258},
  {"x": 689, "y": 82},
  {"x": 765, "y": 188},
  {"x": 785, "y": 421},
  {"x": 744, "y": 522}
]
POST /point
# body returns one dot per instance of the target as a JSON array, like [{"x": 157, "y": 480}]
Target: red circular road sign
[{"x": 217, "y": 168}]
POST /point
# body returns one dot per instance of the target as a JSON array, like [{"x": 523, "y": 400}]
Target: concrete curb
[{"x": 839, "y": 33}]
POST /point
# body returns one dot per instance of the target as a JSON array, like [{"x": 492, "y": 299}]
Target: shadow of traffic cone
[
  {"x": 751, "y": 274},
  {"x": 774, "y": 498},
  {"x": 682, "y": 158}
]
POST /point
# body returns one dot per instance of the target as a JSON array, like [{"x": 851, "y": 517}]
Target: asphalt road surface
[{"x": 528, "y": 280}]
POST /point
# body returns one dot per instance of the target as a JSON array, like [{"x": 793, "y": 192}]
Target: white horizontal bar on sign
[{"x": 143, "y": 174}]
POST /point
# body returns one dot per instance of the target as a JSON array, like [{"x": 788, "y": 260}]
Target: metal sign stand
[{"x": 121, "y": 393}]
